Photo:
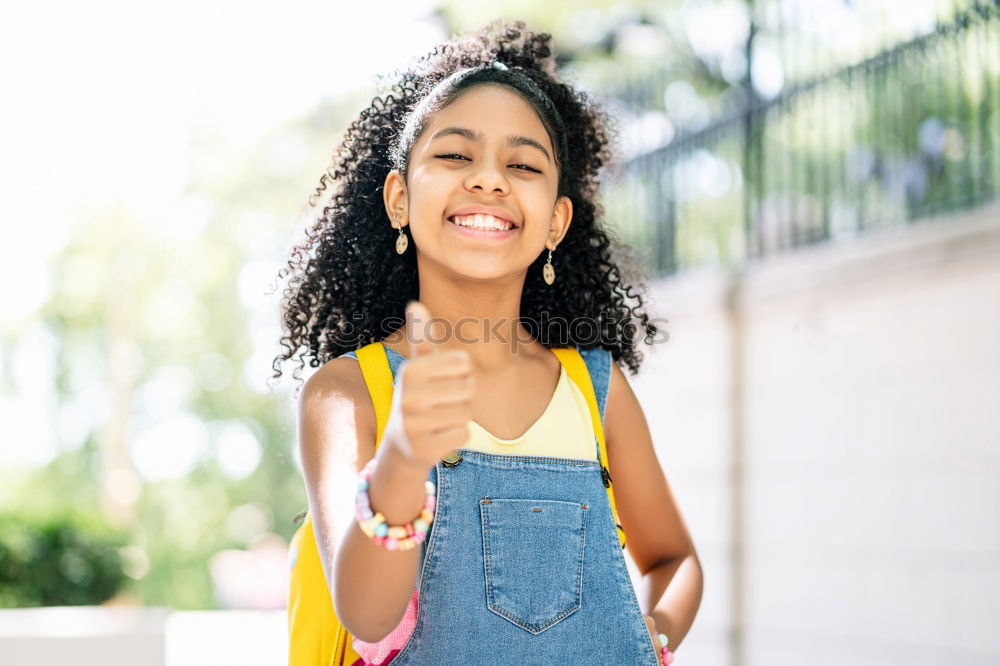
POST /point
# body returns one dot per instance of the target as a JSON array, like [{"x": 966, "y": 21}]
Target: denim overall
[{"x": 523, "y": 564}]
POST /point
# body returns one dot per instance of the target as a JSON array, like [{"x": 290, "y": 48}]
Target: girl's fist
[{"x": 432, "y": 401}]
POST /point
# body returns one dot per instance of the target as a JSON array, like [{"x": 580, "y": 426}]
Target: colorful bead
[
  {"x": 666, "y": 656},
  {"x": 392, "y": 537}
]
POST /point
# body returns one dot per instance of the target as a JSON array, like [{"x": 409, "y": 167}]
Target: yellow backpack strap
[
  {"x": 316, "y": 636},
  {"x": 378, "y": 376},
  {"x": 576, "y": 368}
]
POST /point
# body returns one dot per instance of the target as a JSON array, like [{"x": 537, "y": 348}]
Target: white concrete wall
[
  {"x": 834, "y": 440},
  {"x": 684, "y": 386},
  {"x": 131, "y": 636},
  {"x": 83, "y": 635}
]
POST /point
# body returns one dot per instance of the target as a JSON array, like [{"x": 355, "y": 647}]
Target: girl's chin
[{"x": 474, "y": 269}]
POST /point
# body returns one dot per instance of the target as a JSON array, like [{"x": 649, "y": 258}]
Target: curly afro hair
[{"x": 347, "y": 282}]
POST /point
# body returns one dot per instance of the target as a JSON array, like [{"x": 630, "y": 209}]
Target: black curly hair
[{"x": 347, "y": 282}]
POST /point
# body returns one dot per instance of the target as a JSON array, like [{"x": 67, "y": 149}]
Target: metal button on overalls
[{"x": 452, "y": 459}]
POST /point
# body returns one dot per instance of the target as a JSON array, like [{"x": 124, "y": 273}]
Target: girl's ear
[
  {"x": 562, "y": 216},
  {"x": 394, "y": 196}
]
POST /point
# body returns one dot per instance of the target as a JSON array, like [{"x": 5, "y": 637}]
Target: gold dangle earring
[
  {"x": 402, "y": 242},
  {"x": 549, "y": 273}
]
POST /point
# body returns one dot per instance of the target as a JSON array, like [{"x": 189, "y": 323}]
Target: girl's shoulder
[{"x": 338, "y": 385}]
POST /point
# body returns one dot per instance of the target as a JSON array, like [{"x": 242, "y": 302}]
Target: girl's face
[{"x": 489, "y": 150}]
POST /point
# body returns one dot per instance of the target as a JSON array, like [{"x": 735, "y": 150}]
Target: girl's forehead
[
  {"x": 493, "y": 92},
  {"x": 487, "y": 111}
]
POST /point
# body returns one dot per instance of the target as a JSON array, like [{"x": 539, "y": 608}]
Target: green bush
[{"x": 69, "y": 559}]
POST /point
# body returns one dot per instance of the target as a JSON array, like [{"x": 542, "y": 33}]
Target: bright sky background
[
  {"x": 100, "y": 99},
  {"x": 100, "y": 96}
]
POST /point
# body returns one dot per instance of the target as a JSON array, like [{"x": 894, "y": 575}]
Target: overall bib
[{"x": 523, "y": 565}]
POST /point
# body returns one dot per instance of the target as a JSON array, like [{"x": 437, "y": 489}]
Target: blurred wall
[{"x": 830, "y": 423}]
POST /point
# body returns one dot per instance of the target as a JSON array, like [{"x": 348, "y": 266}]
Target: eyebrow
[{"x": 512, "y": 141}]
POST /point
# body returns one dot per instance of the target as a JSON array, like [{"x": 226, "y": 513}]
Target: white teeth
[{"x": 486, "y": 222}]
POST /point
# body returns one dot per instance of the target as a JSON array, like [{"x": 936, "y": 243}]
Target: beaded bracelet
[
  {"x": 666, "y": 656},
  {"x": 393, "y": 537}
]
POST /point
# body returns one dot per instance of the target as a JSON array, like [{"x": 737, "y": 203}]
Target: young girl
[{"x": 486, "y": 233}]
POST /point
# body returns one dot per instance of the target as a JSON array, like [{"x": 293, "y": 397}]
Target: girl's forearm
[
  {"x": 372, "y": 584},
  {"x": 671, "y": 594}
]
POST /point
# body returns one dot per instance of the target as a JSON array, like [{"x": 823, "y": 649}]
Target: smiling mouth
[{"x": 481, "y": 223}]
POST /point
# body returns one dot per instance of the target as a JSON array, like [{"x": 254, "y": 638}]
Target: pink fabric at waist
[
  {"x": 382, "y": 652},
  {"x": 360, "y": 661}
]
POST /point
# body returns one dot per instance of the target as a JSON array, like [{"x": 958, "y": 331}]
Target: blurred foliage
[
  {"x": 164, "y": 322},
  {"x": 62, "y": 559},
  {"x": 907, "y": 132}
]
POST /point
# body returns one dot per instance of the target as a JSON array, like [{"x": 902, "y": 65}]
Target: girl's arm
[
  {"x": 370, "y": 586},
  {"x": 655, "y": 534}
]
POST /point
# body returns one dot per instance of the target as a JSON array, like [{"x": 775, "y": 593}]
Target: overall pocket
[{"x": 533, "y": 559}]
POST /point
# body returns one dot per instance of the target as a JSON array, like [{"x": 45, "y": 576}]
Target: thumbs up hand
[{"x": 432, "y": 402}]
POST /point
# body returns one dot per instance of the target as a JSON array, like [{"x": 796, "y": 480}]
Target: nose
[{"x": 487, "y": 178}]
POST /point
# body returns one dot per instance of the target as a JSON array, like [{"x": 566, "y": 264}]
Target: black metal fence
[{"x": 902, "y": 135}]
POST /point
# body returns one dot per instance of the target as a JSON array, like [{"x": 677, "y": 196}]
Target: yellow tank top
[{"x": 564, "y": 430}]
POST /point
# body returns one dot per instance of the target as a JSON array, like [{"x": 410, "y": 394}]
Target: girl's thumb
[{"x": 419, "y": 330}]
